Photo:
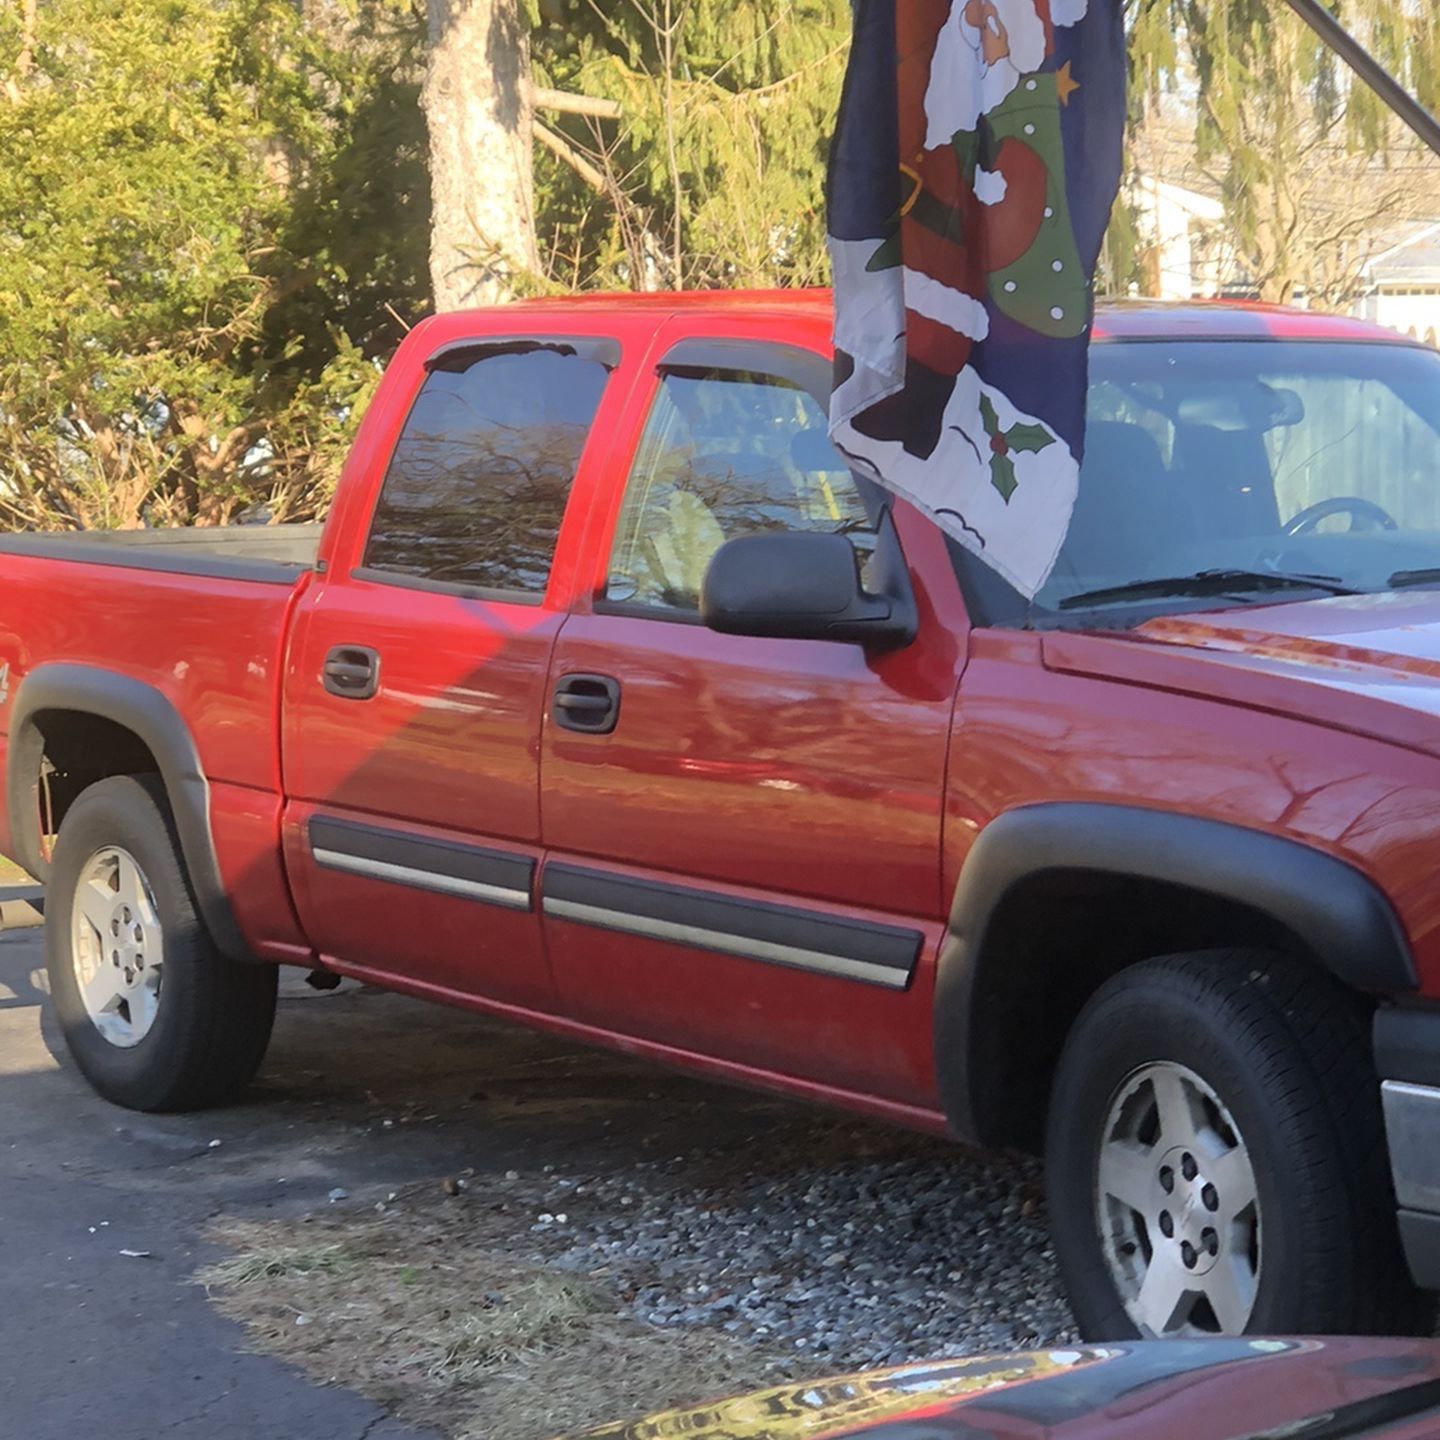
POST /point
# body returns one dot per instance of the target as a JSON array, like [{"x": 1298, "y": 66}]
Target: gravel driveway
[
  {"x": 840, "y": 1242},
  {"x": 715, "y": 1240}
]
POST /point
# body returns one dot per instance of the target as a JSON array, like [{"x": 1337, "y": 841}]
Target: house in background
[
  {"x": 1404, "y": 285},
  {"x": 1181, "y": 233}
]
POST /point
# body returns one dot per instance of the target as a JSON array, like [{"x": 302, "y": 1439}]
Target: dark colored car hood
[{"x": 1157, "y": 1390}]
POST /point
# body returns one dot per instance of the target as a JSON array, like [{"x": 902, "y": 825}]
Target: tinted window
[
  {"x": 725, "y": 454},
  {"x": 477, "y": 486}
]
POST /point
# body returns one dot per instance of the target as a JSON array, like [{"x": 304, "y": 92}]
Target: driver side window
[{"x": 725, "y": 453}]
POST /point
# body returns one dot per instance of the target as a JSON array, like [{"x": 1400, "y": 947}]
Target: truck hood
[
  {"x": 1377, "y": 657},
  {"x": 1156, "y": 1390}
]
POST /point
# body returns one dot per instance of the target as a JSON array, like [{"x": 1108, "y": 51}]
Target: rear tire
[
  {"x": 154, "y": 1015},
  {"x": 1216, "y": 1157}
]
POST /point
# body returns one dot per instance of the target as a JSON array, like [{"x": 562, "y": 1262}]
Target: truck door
[
  {"x": 417, "y": 679},
  {"x": 743, "y": 852}
]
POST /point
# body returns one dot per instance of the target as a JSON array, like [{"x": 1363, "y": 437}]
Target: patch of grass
[
  {"x": 12, "y": 874},
  {"x": 272, "y": 1263},
  {"x": 422, "y": 1309},
  {"x": 542, "y": 1313}
]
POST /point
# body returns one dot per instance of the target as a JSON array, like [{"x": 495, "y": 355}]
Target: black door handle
[
  {"x": 587, "y": 703},
  {"x": 352, "y": 672}
]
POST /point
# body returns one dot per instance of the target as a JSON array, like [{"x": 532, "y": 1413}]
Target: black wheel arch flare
[
  {"x": 1328, "y": 909},
  {"x": 144, "y": 710}
]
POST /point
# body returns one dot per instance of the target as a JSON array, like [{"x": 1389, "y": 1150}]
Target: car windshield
[{"x": 1242, "y": 470}]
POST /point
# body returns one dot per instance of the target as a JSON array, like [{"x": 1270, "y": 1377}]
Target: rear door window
[{"x": 477, "y": 486}]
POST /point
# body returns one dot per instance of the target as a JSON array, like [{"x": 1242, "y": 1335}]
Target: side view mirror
[{"x": 806, "y": 586}]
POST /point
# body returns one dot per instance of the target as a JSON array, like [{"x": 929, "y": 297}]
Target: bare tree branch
[
  {"x": 567, "y": 104},
  {"x": 559, "y": 146}
]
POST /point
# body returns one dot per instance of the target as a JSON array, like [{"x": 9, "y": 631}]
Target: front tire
[
  {"x": 153, "y": 1014},
  {"x": 1216, "y": 1158}
]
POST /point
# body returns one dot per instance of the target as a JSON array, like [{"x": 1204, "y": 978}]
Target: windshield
[{"x": 1294, "y": 458}]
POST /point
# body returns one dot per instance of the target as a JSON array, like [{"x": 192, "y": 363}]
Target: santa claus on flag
[{"x": 975, "y": 165}]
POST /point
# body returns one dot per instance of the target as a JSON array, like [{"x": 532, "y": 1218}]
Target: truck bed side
[{"x": 156, "y": 643}]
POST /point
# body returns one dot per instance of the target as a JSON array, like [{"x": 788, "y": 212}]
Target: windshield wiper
[
  {"x": 1207, "y": 582},
  {"x": 1403, "y": 579}
]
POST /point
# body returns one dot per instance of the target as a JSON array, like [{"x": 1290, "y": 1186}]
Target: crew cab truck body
[{"x": 1146, "y": 880}]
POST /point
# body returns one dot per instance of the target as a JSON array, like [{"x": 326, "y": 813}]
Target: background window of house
[{"x": 725, "y": 454}]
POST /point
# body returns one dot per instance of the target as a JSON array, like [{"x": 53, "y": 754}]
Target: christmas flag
[{"x": 974, "y": 168}]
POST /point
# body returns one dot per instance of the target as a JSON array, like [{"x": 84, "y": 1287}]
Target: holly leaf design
[
  {"x": 988, "y": 416},
  {"x": 1002, "y": 476},
  {"x": 1030, "y": 439}
]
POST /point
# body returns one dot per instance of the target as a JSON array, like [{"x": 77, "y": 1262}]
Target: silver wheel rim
[
  {"x": 116, "y": 947},
  {"x": 1177, "y": 1207}
]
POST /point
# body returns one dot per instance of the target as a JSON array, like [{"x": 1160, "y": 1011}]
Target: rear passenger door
[
  {"x": 417, "y": 679},
  {"x": 742, "y": 856}
]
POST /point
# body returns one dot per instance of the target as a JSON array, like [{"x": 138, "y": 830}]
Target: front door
[
  {"x": 417, "y": 682},
  {"x": 745, "y": 862}
]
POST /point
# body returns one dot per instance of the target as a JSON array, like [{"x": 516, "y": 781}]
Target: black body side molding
[
  {"x": 379, "y": 853},
  {"x": 1329, "y": 908},
  {"x": 786, "y": 935},
  {"x": 90, "y": 690}
]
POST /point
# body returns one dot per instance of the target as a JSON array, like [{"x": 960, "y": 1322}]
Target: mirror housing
[{"x": 802, "y": 585}]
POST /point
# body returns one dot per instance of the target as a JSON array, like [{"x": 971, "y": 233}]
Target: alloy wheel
[
  {"x": 117, "y": 947},
  {"x": 1177, "y": 1206}
]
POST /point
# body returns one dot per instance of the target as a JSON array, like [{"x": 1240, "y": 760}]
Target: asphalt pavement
[
  {"x": 98, "y": 1341},
  {"x": 362, "y": 1092}
]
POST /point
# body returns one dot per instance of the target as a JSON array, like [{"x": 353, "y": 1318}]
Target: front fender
[{"x": 1333, "y": 912}]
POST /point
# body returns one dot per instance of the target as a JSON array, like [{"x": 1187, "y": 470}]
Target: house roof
[{"x": 1413, "y": 262}]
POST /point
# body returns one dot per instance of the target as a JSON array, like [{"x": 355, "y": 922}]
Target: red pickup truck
[{"x": 611, "y": 701}]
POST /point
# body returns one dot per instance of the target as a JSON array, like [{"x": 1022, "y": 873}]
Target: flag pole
[{"x": 1370, "y": 70}]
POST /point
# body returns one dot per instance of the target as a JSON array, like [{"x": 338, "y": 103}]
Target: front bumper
[{"x": 1407, "y": 1055}]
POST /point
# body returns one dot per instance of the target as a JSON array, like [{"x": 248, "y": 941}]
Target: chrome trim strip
[
  {"x": 423, "y": 879},
  {"x": 793, "y": 956},
  {"x": 1412, "y": 1127}
]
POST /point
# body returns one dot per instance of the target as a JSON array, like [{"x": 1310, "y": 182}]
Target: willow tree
[
  {"x": 708, "y": 168},
  {"x": 1308, "y": 161}
]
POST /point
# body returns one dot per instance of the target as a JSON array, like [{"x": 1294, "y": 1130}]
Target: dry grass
[
  {"x": 12, "y": 874},
  {"x": 420, "y": 1308}
]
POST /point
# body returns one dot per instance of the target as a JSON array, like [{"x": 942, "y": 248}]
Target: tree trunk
[{"x": 478, "y": 109}]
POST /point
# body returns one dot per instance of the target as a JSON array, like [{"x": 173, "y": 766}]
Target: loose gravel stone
[{"x": 866, "y": 1251}]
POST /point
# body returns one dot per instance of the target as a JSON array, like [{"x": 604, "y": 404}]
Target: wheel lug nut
[
  {"x": 1187, "y": 1254},
  {"x": 1167, "y": 1179},
  {"x": 115, "y": 927},
  {"x": 114, "y": 957},
  {"x": 1210, "y": 1240},
  {"x": 1167, "y": 1225},
  {"x": 1210, "y": 1198},
  {"x": 139, "y": 962},
  {"x": 139, "y": 934},
  {"x": 1188, "y": 1168},
  {"x": 125, "y": 914}
]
